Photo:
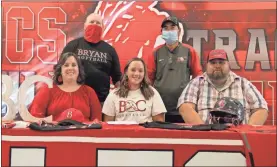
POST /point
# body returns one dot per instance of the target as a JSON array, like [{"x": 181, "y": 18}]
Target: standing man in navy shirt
[{"x": 100, "y": 59}]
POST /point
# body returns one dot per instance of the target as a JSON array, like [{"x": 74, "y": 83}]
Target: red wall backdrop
[{"x": 34, "y": 34}]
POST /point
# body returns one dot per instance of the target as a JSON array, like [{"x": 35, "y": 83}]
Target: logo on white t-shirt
[{"x": 132, "y": 106}]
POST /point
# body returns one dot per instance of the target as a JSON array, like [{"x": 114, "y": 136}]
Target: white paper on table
[
  {"x": 21, "y": 124},
  {"x": 122, "y": 122}
]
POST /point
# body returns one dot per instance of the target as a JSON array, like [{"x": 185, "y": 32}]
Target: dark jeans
[{"x": 174, "y": 119}]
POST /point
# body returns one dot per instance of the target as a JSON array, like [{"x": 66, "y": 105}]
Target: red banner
[{"x": 34, "y": 34}]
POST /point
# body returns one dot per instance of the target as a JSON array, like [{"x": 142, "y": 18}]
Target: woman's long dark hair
[
  {"x": 145, "y": 88},
  {"x": 58, "y": 68}
]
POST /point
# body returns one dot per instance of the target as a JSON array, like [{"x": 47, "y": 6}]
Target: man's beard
[{"x": 217, "y": 75}]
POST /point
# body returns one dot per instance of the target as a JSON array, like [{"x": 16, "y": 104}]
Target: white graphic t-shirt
[{"x": 134, "y": 107}]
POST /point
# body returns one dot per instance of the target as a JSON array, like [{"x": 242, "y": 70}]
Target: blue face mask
[{"x": 170, "y": 37}]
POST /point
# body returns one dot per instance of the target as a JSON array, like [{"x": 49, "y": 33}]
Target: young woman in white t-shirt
[{"x": 135, "y": 99}]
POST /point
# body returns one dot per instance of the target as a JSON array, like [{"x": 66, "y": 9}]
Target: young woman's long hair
[{"x": 145, "y": 88}]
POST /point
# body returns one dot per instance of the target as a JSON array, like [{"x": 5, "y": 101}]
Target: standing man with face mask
[
  {"x": 170, "y": 67},
  {"x": 100, "y": 59}
]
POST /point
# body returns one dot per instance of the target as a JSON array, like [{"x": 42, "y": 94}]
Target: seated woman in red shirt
[{"x": 68, "y": 92}]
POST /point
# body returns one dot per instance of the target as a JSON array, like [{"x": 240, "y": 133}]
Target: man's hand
[
  {"x": 188, "y": 113},
  {"x": 258, "y": 117}
]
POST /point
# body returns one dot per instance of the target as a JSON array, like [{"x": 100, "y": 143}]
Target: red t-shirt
[{"x": 53, "y": 101}]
